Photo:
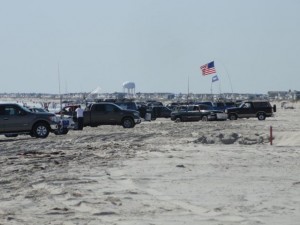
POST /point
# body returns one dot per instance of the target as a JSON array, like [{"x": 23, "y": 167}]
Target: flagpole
[
  {"x": 187, "y": 99},
  {"x": 60, "y": 96},
  {"x": 211, "y": 92},
  {"x": 228, "y": 77}
]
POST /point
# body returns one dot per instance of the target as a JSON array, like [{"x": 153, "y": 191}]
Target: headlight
[
  {"x": 54, "y": 119},
  {"x": 137, "y": 114}
]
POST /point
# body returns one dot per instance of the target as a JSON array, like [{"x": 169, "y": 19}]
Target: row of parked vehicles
[
  {"x": 16, "y": 119},
  {"x": 36, "y": 122},
  {"x": 205, "y": 111}
]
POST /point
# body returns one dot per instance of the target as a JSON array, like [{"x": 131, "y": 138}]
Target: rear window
[
  {"x": 204, "y": 107},
  {"x": 261, "y": 104},
  {"x": 219, "y": 104},
  {"x": 230, "y": 104},
  {"x": 127, "y": 105}
]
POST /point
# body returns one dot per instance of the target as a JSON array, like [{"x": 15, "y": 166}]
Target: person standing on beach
[{"x": 79, "y": 115}]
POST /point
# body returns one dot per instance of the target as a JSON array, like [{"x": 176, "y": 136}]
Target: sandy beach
[{"x": 158, "y": 173}]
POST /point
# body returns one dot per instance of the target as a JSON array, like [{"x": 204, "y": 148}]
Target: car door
[
  {"x": 246, "y": 110},
  {"x": 194, "y": 114},
  {"x": 98, "y": 114},
  {"x": 14, "y": 119},
  {"x": 112, "y": 114},
  {"x": 105, "y": 114}
]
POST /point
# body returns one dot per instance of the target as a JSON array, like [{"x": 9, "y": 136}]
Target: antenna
[
  {"x": 58, "y": 78},
  {"x": 60, "y": 97}
]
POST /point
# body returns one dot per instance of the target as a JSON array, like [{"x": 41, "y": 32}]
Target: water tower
[{"x": 129, "y": 87}]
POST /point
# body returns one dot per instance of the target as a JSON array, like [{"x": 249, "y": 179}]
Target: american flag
[{"x": 208, "y": 68}]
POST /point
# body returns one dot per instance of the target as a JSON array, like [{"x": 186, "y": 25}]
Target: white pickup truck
[{"x": 65, "y": 122}]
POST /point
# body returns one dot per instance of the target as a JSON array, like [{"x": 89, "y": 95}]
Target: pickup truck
[
  {"x": 250, "y": 109},
  {"x": 219, "y": 105},
  {"x": 105, "y": 113},
  {"x": 15, "y": 119},
  {"x": 197, "y": 113}
]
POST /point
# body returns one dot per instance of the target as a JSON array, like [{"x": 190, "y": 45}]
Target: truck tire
[
  {"x": 41, "y": 130},
  {"x": 232, "y": 117},
  {"x": 127, "y": 123},
  {"x": 61, "y": 131},
  {"x": 64, "y": 131},
  {"x": 204, "y": 118},
  {"x": 178, "y": 119},
  {"x": 261, "y": 116}
]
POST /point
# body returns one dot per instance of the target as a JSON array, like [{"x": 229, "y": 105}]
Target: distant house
[
  {"x": 278, "y": 95},
  {"x": 296, "y": 95}
]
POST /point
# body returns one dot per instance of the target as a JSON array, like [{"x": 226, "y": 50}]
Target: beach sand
[{"x": 158, "y": 173}]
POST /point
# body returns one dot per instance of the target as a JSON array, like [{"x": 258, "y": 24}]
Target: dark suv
[{"x": 250, "y": 109}]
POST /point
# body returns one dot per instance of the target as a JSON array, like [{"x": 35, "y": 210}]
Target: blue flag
[{"x": 214, "y": 78}]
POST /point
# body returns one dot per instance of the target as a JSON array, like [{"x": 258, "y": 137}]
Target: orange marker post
[{"x": 271, "y": 135}]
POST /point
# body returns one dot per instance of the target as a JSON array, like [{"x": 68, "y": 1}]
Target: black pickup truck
[
  {"x": 105, "y": 113},
  {"x": 197, "y": 113},
  {"x": 15, "y": 119},
  {"x": 250, "y": 109}
]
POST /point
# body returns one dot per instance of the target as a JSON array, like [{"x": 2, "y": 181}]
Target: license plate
[{"x": 66, "y": 123}]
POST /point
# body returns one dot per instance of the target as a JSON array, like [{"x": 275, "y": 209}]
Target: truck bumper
[
  {"x": 137, "y": 121},
  {"x": 53, "y": 126}
]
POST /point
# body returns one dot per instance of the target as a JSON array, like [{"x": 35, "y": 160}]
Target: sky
[{"x": 67, "y": 46}]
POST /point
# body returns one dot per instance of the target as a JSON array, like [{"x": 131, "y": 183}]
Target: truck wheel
[
  {"x": 127, "y": 123},
  {"x": 204, "y": 118},
  {"x": 41, "y": 130},
  {"x": 178, "y": 119},
  {"x": 64, "y": 131},
  {"x": 261, "y": 116},
  {"x": 232, "y": 117},
  {"x": 61, "y": 131}
]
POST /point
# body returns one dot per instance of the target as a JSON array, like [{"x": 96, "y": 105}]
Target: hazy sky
[{"x": 158, "y": 44}]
